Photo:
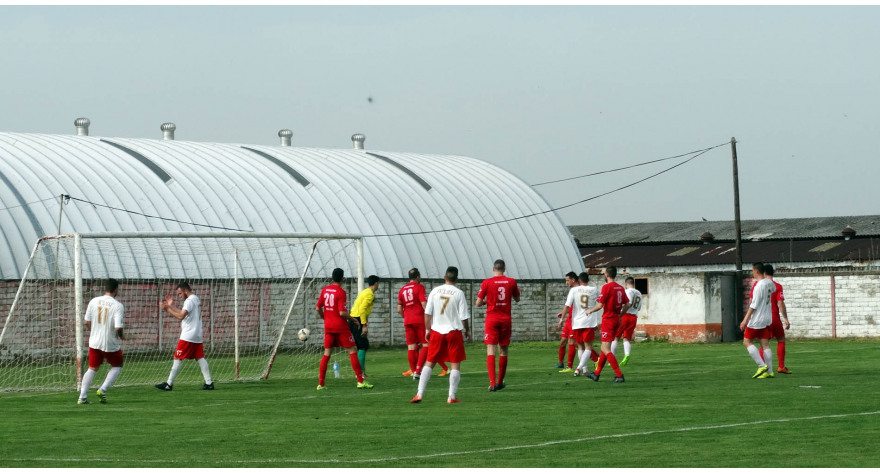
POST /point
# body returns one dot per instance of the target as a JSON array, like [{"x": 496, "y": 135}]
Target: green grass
[{"x": 669, "y": 387}]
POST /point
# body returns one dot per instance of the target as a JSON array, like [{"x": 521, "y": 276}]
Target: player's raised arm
[{"x": 176, "y": 313}]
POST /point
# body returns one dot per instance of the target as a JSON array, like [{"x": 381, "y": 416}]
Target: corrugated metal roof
[
  {"x": 762, "y": 229},
  {"x": 224, "y": 185},
  {"x": 712, "y": 254}
]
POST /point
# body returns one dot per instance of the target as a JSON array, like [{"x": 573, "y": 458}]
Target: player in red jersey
[
  {"x": 411, "y": 302},
  {"x": 566, "y": 332},
  {"x": 777, "y": 302},
  {"x": 611, "y": 300},
  {"x": 756, "y": 324},
  {"x": 331, "y": 308},
  {"x": 496, "y": 293}
]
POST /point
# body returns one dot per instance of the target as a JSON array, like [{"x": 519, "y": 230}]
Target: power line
[
  {"x": 158, "y": 217},
  {"x": 630, "y": 166},
  {"x": 28, "y": 203},
  {"x": 475, "y": 226}
]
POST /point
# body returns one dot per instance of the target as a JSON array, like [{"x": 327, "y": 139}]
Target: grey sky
[{"x": 542, "y": 92}]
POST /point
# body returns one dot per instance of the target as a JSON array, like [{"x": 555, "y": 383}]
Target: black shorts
[{"x": 360, "y": 340}]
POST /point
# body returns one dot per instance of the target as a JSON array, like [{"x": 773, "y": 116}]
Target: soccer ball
[{"x": 303, "y": 334}]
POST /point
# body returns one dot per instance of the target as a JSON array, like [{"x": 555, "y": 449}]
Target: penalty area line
[{"x": 450, "y": 453}]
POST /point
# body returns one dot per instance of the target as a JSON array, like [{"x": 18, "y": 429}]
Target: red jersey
[
  {"x": 411, "y": 297},
  {"x": 498, "y": 291},
  {"x": 612, "y": 297},
  {"x": 332, "y": 299}
]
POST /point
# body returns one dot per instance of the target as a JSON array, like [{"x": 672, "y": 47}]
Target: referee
[{"x": 363, "y": 306}]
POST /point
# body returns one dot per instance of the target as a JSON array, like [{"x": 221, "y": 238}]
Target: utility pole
[
  {"x": 739, "y": 255},
  {"x": 738, "y": 279}
]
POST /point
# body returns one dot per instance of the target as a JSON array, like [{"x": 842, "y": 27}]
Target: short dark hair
[
  {"x": 768, "y": 269},
  {"x": 584, "y": 277},
  {"x": 571, "y": 276},
  {"x": 611, "y": 271},
  {"x": 499, "y": 265},
  {"x": 110, "y": 285},
  {"x": 759, "y": 267},
  {"x": 337, "y": 275},
  {"x": 451, "y": 274},
  {"x": 184, "y": 286},
  {"x": 372, "y": 280},
  {"x": 630, "y": 280},
  {"x": 414, "y": 273}
]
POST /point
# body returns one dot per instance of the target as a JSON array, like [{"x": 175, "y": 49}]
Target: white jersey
[
  {"x": 581, "y": 299},
  {"x": 106, "y": 315},
  {"x": 191, "y": 325},
  {"x": 448, "y": 307},
  {"x": 635, "y": 299},
  {"x": 761, "y": 303}
]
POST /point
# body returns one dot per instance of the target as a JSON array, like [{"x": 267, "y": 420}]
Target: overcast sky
[{"x": 545, "y": 93}]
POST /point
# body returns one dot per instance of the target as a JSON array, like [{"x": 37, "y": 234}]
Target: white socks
[
  {"x": 768, "y": 359},
  {"x": 756, "y": 355},
  {"x": 111, "y": 378},
  {"x": 627, "y": 347},
  {"x": 454, "y": 378},
  {"x": 423, "y": 381},
  {"x": 203, "y": 364},
  {"x": 614, "y": 347},
  {"x": 175, "y": 369},
  {"x": 88, "y": 377},
  {"x": 582, "y": 362}
]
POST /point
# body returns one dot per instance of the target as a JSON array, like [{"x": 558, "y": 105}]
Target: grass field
[{"x": 682, "y": 405}]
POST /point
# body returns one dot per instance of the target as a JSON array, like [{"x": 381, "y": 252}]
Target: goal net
[{"x": 256, "y": 290}]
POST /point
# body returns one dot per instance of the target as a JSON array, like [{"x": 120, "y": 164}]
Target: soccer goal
[{"x": 257, "y": 290}]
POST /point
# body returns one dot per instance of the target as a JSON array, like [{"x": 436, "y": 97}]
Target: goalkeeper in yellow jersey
[{"x": 361, "y": 310}]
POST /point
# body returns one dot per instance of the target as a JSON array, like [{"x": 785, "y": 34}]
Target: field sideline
[{"x": 682, "y": 406}]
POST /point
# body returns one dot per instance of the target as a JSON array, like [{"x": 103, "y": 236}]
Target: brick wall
[{"x": 808, "y": 301}]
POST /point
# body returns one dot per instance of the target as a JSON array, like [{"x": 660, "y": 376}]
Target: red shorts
[
  {"x": 446, "y": 347},
  {"x": 763, "y": 333},
  {"x": 584, "y": 335},
  {"x": 497, "y": 332},
  {"x": 777, "y": 330},
  {"x": 189, "y": 350},
  {"x": 627, "y": 326},
  {"x": 567, "y": 331},
  {"x": 338, "y": 339},
  {"x": 97, "y": 357},
  {"x": 609, "y": 328},
  {"x": 415, "y": 334}
]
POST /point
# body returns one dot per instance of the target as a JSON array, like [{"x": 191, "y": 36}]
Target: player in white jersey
[
  {"x": 628, "y": 320},
  {"x": 583, "y": 323},
  {"x": 446, "y": 316},
  {"x": 190, "y": 344},
  {"x": 756, "y": 324},
  {"x": 104, "y": 321}
]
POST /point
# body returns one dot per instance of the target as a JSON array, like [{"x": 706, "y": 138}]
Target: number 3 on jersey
[{"x": 501, "y": 294}]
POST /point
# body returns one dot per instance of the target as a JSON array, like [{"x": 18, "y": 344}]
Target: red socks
[
  {"x": 600, "y": 363},
  {"x": 502, "y": 368},
  {"x": 572, "y": 349},
  {"x": 356, "y": 365},
  {"x": 780, "y": 354},
  {"x": 561, "y": 353},
  {"x": 613, "y": 361},
  {"x": 423, "y": 355},
  {"x": 412, "y": 356},
  {"x": 322, "y": 372},
  {"x": 490, "y": 364},
  {"x": 443, "y": 365},
  {"x": 594, "y": 356}
]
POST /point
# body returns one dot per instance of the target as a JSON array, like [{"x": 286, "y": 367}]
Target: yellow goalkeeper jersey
[{"x": 363, "y": 305}]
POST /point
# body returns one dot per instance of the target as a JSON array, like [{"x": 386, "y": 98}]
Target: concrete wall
[{"x": 683, "y": 307}]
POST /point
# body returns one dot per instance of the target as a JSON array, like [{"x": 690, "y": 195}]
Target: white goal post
[{"x": 252, "y": 286}]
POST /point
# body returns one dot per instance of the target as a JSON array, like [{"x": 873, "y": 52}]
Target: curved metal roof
[{"x": 282, "y": 189}]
